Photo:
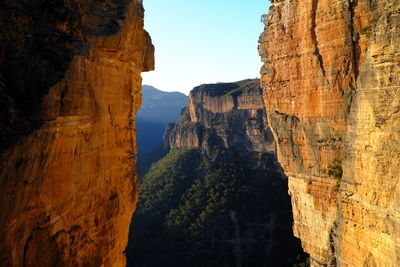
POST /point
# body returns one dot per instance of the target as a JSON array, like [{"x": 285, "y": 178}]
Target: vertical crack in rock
[
  {"x": 28, "y": 242},
  {"x": 354, "y": 38},
  {"x": 314, "y": 38}
]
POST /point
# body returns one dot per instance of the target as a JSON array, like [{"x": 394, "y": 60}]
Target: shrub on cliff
[{"x": 335, "y": 169}]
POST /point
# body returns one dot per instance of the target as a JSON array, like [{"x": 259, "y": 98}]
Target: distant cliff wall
[
  {"x": 331, "y": 90},
  {"x": 70, "y": 89},
  {"x": 226, "y": 116}
]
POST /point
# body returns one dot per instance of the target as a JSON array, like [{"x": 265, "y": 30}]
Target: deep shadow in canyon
[
  {"x": 219, "y": 197},
  {"x": 197, "y": 211}
]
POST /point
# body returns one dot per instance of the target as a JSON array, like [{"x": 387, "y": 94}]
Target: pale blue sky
[{"x": 203, "y": 41}]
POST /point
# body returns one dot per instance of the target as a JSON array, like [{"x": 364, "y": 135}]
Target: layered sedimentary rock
[
  {"x": 225, "y": 115},
  {"x": 70, "y": 89},
  {"x": 331, "y": 89}
]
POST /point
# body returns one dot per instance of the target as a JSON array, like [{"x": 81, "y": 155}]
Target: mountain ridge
[{"x": 158, "y": 108}]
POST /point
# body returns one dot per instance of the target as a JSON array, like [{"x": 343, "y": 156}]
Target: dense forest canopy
[{"x": 196, "y": 210}]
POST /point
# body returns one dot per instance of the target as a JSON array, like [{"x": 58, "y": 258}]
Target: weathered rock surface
[
  {"x": 70, "y": 88},
  {"x": 331, "y": 80},
  {"x": 225, "y": 115}
]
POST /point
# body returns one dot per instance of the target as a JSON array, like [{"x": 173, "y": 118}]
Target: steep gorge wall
[
  {"x": 225, "y": 115},
  {"x": 331, "y": 89},
  {"x": 70, "y": 85}
]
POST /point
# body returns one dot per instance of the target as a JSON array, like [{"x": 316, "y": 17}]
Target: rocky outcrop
[
  {"x": 70, "y": 88},
  {"x": 221, "y": 116},
  {"x": 330, "y": 80}
]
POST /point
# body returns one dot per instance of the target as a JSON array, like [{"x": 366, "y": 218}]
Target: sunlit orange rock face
[
  {"x": 223, "y": 116},
  {"x": 331, "y": 88},
  {"x": 68, "y": 183}
]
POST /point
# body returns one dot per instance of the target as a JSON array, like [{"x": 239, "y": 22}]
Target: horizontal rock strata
[{"x": 226, "y": 115}]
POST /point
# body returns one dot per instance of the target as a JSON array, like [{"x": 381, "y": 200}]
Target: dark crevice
[
  {"x": 28, "y": 240},
  {"x": 354, "y": 37},
  {"x": 314, "y": 35}
]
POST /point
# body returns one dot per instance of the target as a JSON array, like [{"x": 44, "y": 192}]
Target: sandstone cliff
[
  {"x": 70, "y": 88},
  {"x": 222, "y": 116},
  {"x": 331, "y": 89}
]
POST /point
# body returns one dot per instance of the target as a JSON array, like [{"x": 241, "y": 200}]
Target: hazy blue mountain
[{"x": 158, "y": 108}]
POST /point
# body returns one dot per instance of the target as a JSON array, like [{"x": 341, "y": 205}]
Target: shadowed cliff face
[
  {"x": 331, "y": 85},
  {"x": 70, "y": 87}
]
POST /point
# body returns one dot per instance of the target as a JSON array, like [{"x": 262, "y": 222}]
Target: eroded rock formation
[
  {"x": 225, "y": 115},
  {"x": 70, "y": 87},
  {"x": 331, "y": 80}
]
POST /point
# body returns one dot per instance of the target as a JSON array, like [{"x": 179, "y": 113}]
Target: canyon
[
  {"x": 331, "y": 90},
  {"x": 328, "y": 109},
  {"x": 70, "y": 88},
  {"x": 219, "y": 197}
]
